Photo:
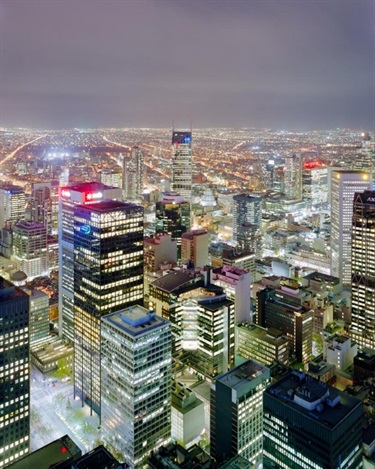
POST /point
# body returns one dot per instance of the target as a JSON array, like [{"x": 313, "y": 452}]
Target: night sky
[{"x": 143, "y": 63}]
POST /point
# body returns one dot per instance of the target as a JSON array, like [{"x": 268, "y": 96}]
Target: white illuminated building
[{"x": 136, "y": 383}]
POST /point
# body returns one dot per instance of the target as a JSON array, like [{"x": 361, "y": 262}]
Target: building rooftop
[
  {"x": 316, "y": 400},
  {"x": 134, "y": 320},
  {"x": 11, "y": 188},
  {"x": 319, "y": 276},
  {"x": 366, "y": 197},
  {"x": 107, "y": 205},
  {"x": 174, "y": 280},
  {"x": 272, "y": 336},
  {"x": 190, "y": 234},
  {"x": 241, "y": 375},
  {"x": 247, "y": 197},
  {"x": 98, "y": 458},
  {"x": 30, "y": 225},
  {"x": 55, "y": 454},
  {"x": 8, "y": 290},
  {"x": 87, "y": 186}
]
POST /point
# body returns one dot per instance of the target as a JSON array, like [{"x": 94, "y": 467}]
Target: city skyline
[{"x": 128, "y": 64}]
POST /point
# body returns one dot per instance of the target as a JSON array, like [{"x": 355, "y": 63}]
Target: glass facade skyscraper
[
  {"x": 247, "y": 222},
  {"x": 84, "y": 193},
  {"x": 344, "y": 184},
  {"x": 136, "y": 383},
  {"x": 173, "y": 217},
  {"x": 182, "y": 168},
  {"x": 14, "y": 373},
  {"x": 108, "y": 276},
  {"x": 363, "y": 269}
]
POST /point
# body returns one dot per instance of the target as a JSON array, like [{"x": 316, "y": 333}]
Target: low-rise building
[{"x": 187, "y": 414}]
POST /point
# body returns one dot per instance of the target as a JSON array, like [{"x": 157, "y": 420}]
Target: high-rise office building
[
  {"x": 30, "y": 249},
  {"x": 201, "y": 316},
  {"x": 15, "y": 373},
  {"x": 39, "y": 316},
  {"x": 173, "y": 217},
  {"x": 194, "y": 247},
  {"x": 108, "y": 276},
  {"x": 12, "y": 205},
  {"x": 182, "y": 167},
  {"x": 247, "y": 221},
  {"x": 159, "y": 249},
  {"x": 344, "y": 184},
  {"x": 308, "y": 424},
  {"x": 236, "y": 284},
  {"x": 315, "y": 183},
  {"x": 133, "y": 174},
  {"x": 76, "y": 194},
  {"x": 160, "y": 252},
  {"x": 237, "y": 412},
  {"x": 363, "y": 269},
  {"x": 136, "y": 383},
  {"x": 44, "y": 205},
  {"x": 293, "y": 177},
  {"x": 287, "y": 309},
  {"x": 111, "y": 177}
]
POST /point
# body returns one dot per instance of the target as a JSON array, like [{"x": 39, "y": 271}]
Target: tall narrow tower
[
  {"x": 293, "y": 177},
  {"x": 344, "y": 184},
  {"x": 108, "y": 276},
  {"x": 133, "y": 175},
  {"x": 363, "y": 269},
  {"x": 182, "y": 164},
  {"x": 247, "y": 222}
]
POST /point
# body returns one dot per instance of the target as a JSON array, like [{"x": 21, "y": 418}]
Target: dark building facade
[
  {"x": 173, "y": 217},
  {"x": 363, "y": 269},
  {"x": 308, "y": 424},
  {"x": 282, "y": 310},
  {"x": 15, "y": 373}
]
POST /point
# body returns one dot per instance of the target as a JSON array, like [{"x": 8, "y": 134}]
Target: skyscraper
[
  {"x": 108, "y": 276},
  {"x": 344, "y": 184},
  {"x": 44, "y": 205},
  {"x": 308, "y": 424},
  {"x": 133, "y": 174},
  {"x": 173, "y": 217},
  {"x": 39, "y": 316},
  {"x": 363, "y": 269},
  {"x": 30, "y": 248},
  {"x": 293, "y": 177},
  {"x": 136, "y": 383},
  {"x": 182, "y": 168},
  {"x": 286, "y": 309},
  {"x": 84, "y": 193},
  {"x": 247, "y": 222},
  {"x": 15, "y": 373},
  {"x": 12, "y": 205},
  {"x": 237, "y": 412}
]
